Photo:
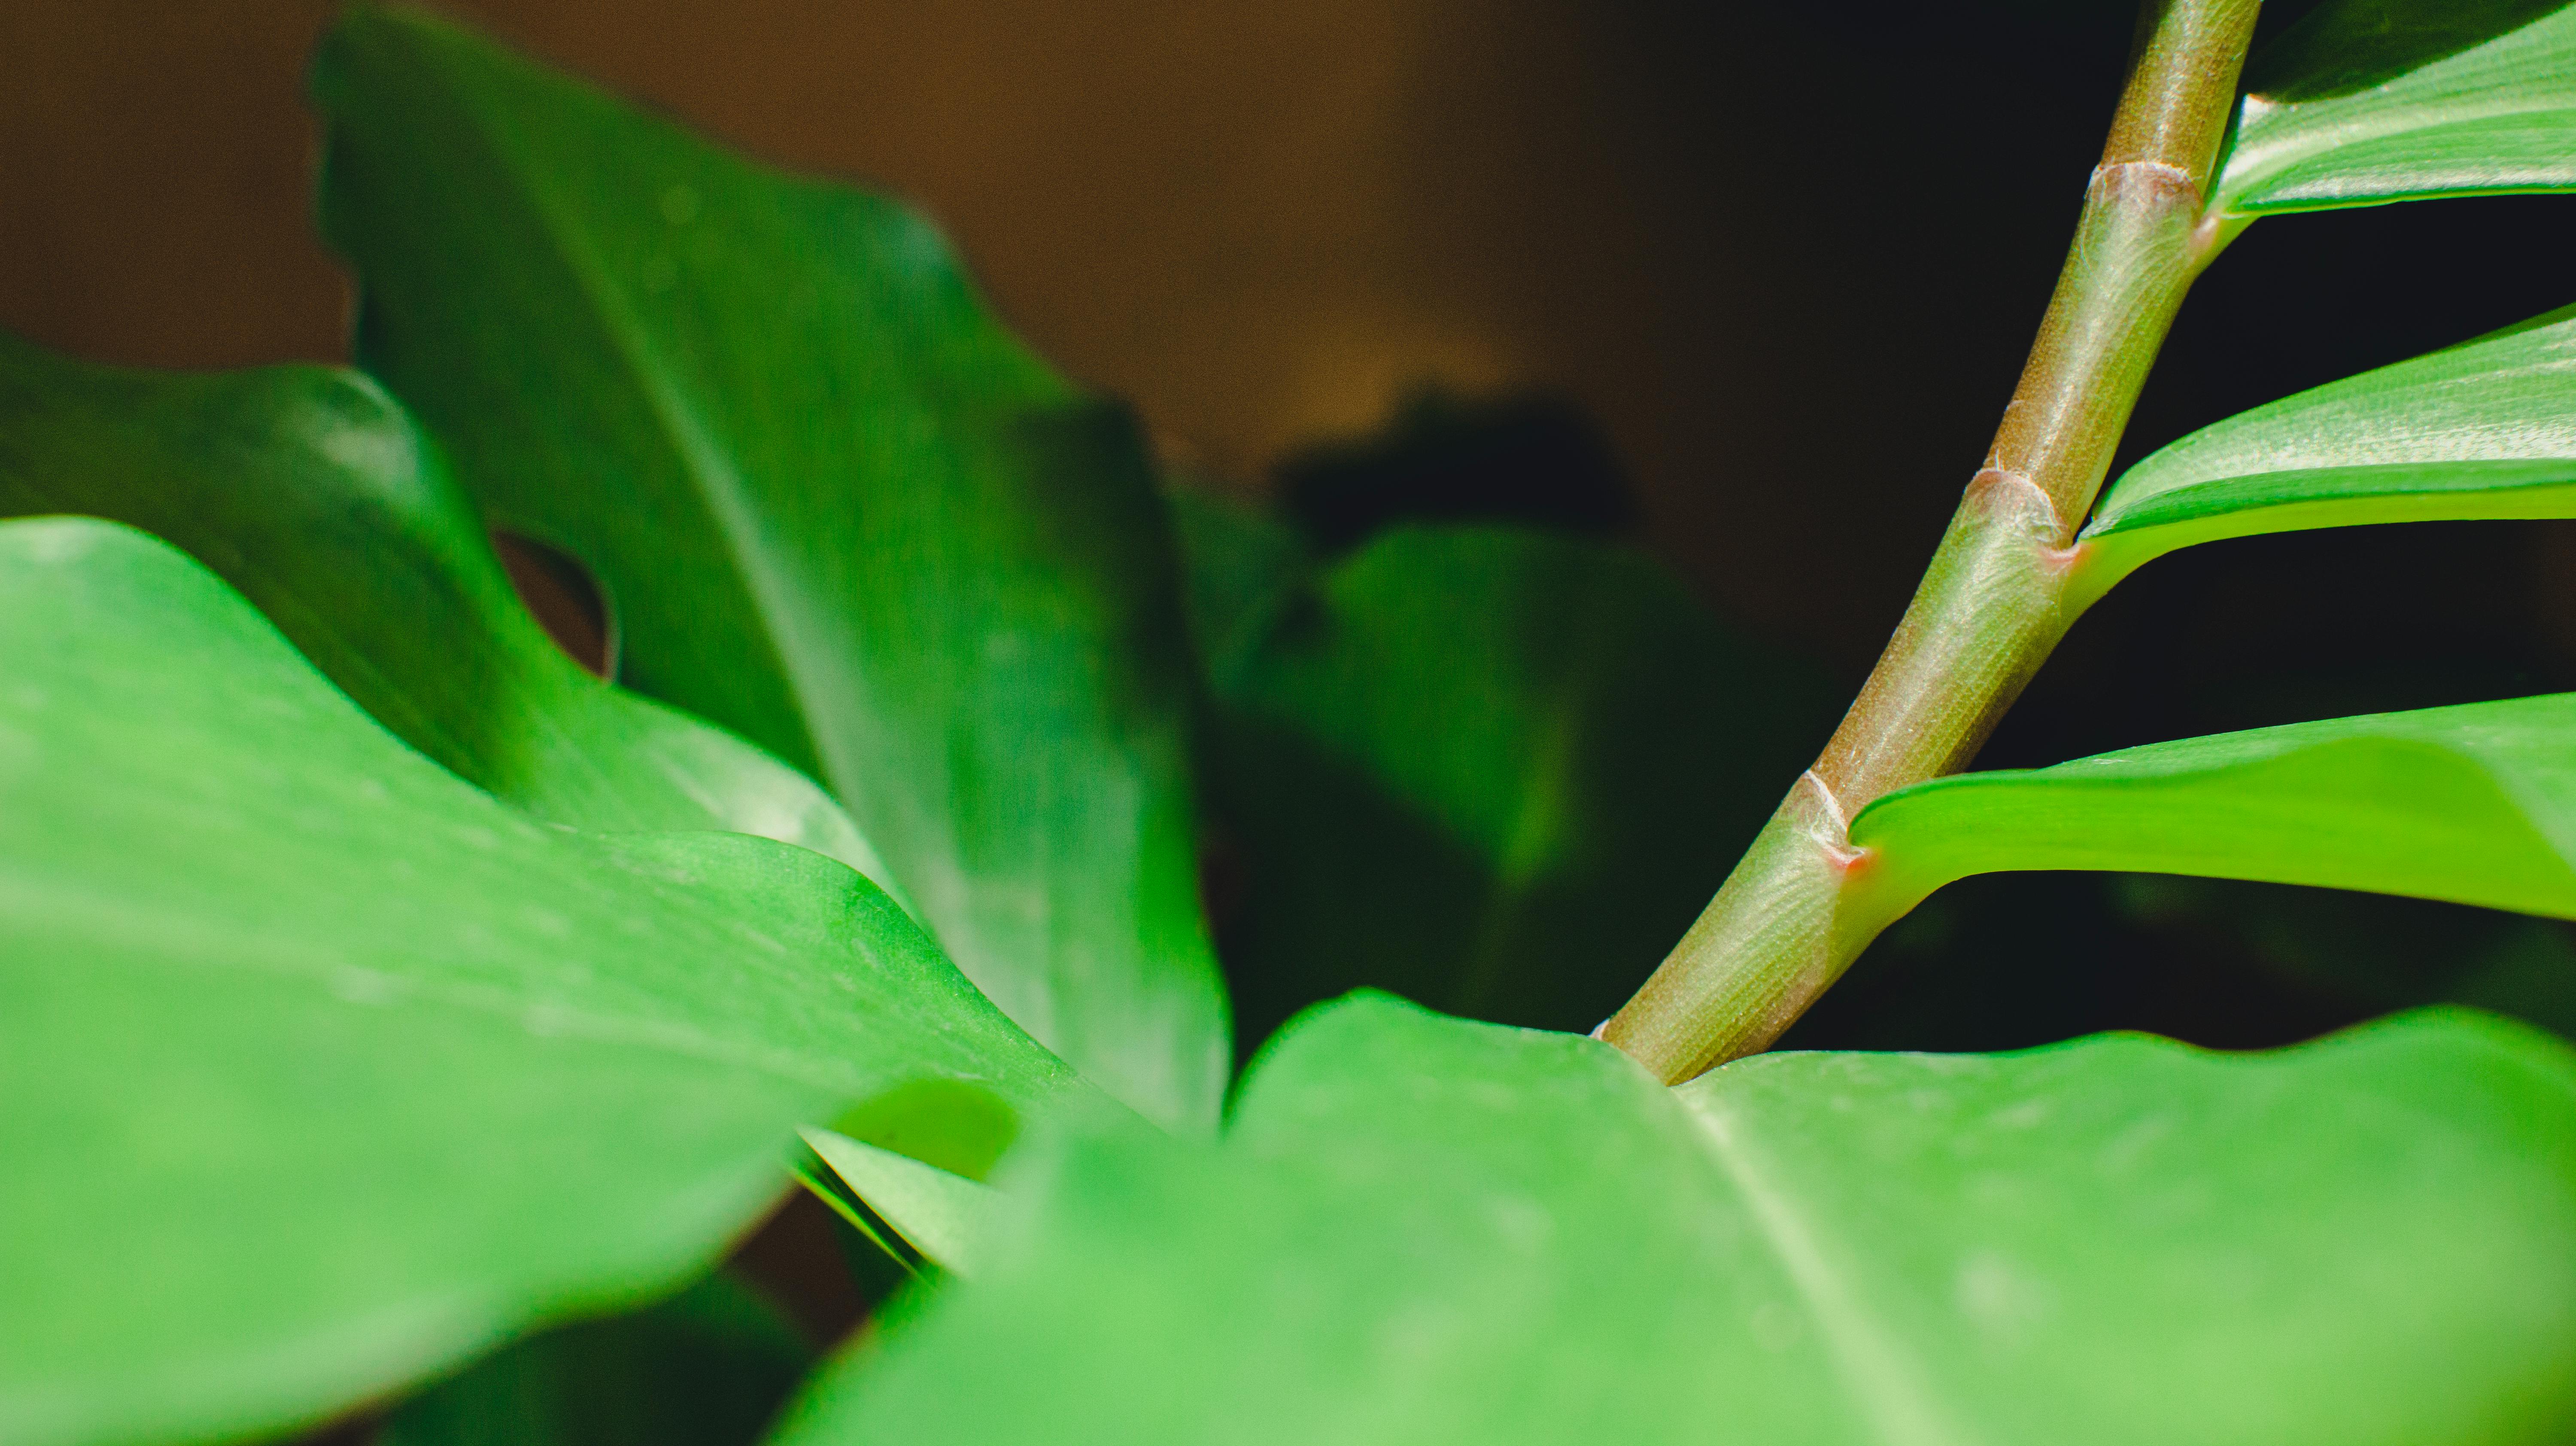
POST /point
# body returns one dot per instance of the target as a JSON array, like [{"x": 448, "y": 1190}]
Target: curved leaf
[
  {"x": 2368, "y": 101},
  {"x": 943, "y": 1216},
  {"x": 708, "y": 1367},
  {"x": 840, "y": 509},
  {"x": 2474, "y": 804},
  {"x": 1490, "y": 769},
  {"x": 324, "y": 1069},
  {"x": 1424, "y": 1231},
  {"x": 309, "y": 491},
  {"x": 2486, "y": 429}
]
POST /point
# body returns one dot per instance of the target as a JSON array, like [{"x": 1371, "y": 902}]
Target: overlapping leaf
[
  {"x": 839, "y": 509},
  {"x": 945, "y": 1218},
  {"x": 325, "y": 1069},
  {"x": 2486, "y": 429},
  {"x": 1424, "y": 1231},
  {"x": 2367, "y": 101},
  {"x": 2474, "y": 804},
  {"x": 1493, "y": 770},
  {"x": 311, "y": 492}
]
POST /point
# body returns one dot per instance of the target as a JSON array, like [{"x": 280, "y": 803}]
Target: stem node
[{"x": 1796, "y": 910}]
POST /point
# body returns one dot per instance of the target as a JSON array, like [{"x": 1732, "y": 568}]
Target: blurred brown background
[
  {"x": 1788, "y": 255},
  {"x": 1717, "y": 229}
]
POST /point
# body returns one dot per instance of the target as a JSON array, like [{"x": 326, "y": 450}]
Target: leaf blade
[
  {"x": 359, "y": 1067},
  {"x": 2473, "y": 804},
  {"x": 2485, "y": 430},
  {"x": 1426, "y": 1231},
  {"x": 2372, "y": 101},
  {"x": 1490, "y": 769},
  {"x": 310, "y": 491},
  {"x": 842, "y": 510},
  {"x": 944, "y": 1216}
]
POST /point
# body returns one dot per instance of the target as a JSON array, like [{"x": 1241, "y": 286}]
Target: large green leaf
[
  {"x": 2474, "y": 804},
  {"x": 1493, "y": 770},
  {"x": 1424, "y": 1231},
  {"x": 2486, "y": 429},
  {"x": 708, "y": 1367},
  {"x": 838, "y": 508},
  {"x": 311, "y": 492},
  {"x": 2365, "y": 101},
  {"x": 323, "y": 1068}
]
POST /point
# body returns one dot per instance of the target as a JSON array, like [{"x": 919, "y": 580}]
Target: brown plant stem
[{"x": 1992, "y": 603}]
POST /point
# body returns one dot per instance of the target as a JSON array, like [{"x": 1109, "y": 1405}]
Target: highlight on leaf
[
  {"x": 843, "y": 511},
  {"x": 1429, "y": 1231},
  {"x": 2473, "y": 804},
  {"x": 2371, "y": 101},
  {"x": 425, "y": 1072},
  {"x": 2480, "y": 431},
  {"x": 313, "y": 492}
]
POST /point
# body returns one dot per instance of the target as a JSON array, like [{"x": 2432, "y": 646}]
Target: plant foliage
[{"x": 392, "y": 1013}]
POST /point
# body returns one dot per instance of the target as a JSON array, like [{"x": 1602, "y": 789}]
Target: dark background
[{"x": 1786, "y": 256}]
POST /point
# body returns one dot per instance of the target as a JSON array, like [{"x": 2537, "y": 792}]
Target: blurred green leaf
[
  {"x": 2375, "y": 952},
  {"x": 2474, "y": 804},
  {"x": 2486, "y": 429},
  {"x": 309, "y": 491},
  {"x": 325, "y": 1069},
  {"x": 1496, "y": 771},
  {"x": 1240, "y": 563},
  {"x": 708, "y": 1367},
  {"x": 1424, "y": 1231},
  {"x": 838, "y": 508},
  {"x": 2368, "y": 101},
  {"x": 943, "y": 1216}
]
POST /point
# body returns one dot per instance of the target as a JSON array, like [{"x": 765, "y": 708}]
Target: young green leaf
[
  {"x": 840, "y": 509},
  {"x": 1492, "y": 770},
  {"x": 2486, "y": 429},
  {"x": 946, "y": 1217},
  {"x": 313, "y": 494},
  {"x": 2368, "y": 101},
  {"x": 708, "y": 1367},
  {"x": 325, "y": 1069},
  {"x": 2474, "y": 804},
  {"x": 1425, "y": 1231}
]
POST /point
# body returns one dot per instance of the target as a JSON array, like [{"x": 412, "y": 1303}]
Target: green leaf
[
  {"x": 325, "y": 1069},
  {"x": 839, "y": 509},
  {"x": 311, "y": 492},
  {"x": 1240, "y": 565},
  {"x": 2486, "y": 429},
  {"x": 945, "y": 1217},
  {"x": 2474, "y": 804},
  {"x": 2369, "y": 101},
  {"x": 708, "y": 1367},
  {"x": 1424, "y": 1231},
  {"x": 1490, "y": 769}
]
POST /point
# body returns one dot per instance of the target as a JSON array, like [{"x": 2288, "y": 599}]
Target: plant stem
[{"x": 1991, "y": 606}]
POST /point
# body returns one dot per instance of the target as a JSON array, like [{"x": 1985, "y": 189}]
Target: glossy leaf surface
[
  {"x": 2366, "y": 101},
  {"x": 325, "y": 1069},
  {"x": 840, "y": 510},
  {"x": 1425, "y": 1231},
  {"x": 309, "y": 491},
  {"x": 708, "y": 1367},
  {"x": 2474, "y": 804},
  {"x": 1493, "y": 770},
  {"x": 2486, "y": 429}
]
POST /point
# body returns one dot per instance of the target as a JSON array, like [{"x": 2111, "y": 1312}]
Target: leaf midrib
[
  {"x": 718, "y": 487},
  {"x": 1889, "y": 1386}
]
